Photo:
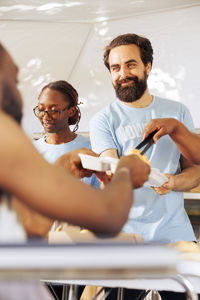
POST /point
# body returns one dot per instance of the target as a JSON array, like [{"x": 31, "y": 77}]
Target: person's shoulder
[
  {"x": 104, "y": 110},
  {"x": 83, "y": 140},
  {"x": 104, "y": 113},
  {"x": 84, "y": 137},
  {"x": 166, "y": 100},
  {"x": 169, "y": 103}
]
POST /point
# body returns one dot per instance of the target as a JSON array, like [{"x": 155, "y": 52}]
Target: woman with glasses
[{"x": 57, "y": 110}]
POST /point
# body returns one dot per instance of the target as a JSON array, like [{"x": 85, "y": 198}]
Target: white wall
[{"x": 73, "y": 51}]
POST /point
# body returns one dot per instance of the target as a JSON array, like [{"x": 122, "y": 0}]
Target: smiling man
[
  {"x": 129, "y": 75},
  {"x": 158, "y": 213}
]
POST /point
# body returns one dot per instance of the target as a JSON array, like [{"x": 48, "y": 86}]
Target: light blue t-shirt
[
  {"x": 52, "y": 152},
  {"x": 154, "y": 217}
]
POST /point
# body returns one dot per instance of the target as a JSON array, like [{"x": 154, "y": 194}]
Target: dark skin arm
[
  {"x": 187, "y": 142},
  {"x": 35, "y": 223}
]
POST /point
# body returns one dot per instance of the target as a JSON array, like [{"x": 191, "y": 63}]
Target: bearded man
[{"x": 158, "y": 213}]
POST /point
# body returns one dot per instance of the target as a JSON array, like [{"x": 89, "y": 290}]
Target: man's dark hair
[
  {"x": 71, "y": 96},
  {"x": 144, "y": 45}
]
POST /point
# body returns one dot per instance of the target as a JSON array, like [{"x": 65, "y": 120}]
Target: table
[
  {"x": 191, "y": 196},
  {"x": 186, "y": 278},
  {"x": 192, "y": 206},
  {"x": 122, "y": 265}
]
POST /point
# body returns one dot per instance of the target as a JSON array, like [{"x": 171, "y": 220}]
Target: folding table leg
[
  {"x": 120, "y": 294},
  {"x": 65, "y": 292},
  {"x": 191, "y": 295},
  {"x": 108, "y": 291},
  {"x": 143, "y": 294},
  {"x": 70, "y": 292}
]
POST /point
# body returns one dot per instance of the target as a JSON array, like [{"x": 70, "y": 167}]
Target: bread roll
[{"x": 138, "y": 153}]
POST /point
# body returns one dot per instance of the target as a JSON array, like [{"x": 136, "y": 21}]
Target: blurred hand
[
  {"x": 167, "y": 187},
  {"x": 139, "y": 169},
  {"x": 104, "y": 177},
  {"x": 163, "y": 127},
  {"x": 72, "y": 162}
]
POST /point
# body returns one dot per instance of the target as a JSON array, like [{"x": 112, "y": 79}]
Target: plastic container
[
  {"x": 98, "y": 163},
  {"x": 156, "y": 178}
]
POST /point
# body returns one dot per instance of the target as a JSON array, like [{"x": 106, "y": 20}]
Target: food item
[
  {"x": 84, "y": 231},
  {"x": 189, "y": 250},
  {"x": 138, "y": 153},
  {"x": 186, "y": 246}
]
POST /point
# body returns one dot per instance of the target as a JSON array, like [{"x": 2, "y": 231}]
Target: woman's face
[{"x": 53, "y": 110}]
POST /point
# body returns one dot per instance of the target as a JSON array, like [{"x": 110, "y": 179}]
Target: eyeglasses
[{"x": 54, "y": 114}]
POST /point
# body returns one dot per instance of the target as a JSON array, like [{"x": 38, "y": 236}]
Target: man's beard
[
  {"x": 133, "y": 91},
  {"x": 11, "y": 105}
]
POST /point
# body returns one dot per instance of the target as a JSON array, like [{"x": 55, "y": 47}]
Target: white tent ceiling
[
  {"x": 87, "y": 11},
  {"x": 64, "y": 39}
]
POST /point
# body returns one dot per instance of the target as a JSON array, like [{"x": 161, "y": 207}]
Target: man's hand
[
  {"x": 139, "y": 169},
  {"x": 167, "y": 187},
  {"x": 163, "y": 127}
]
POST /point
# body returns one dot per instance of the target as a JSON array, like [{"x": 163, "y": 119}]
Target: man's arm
[
  {"x": 186, "y": 180},
  {"x": 189, "y": 177},
  {"x": 187, "y": 142},
  {"x": 110, "y": 153},
  {"x": 52, "y": 191}
]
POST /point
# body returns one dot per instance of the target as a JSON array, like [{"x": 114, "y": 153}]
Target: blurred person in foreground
[{"x": 50, "y": 189}]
